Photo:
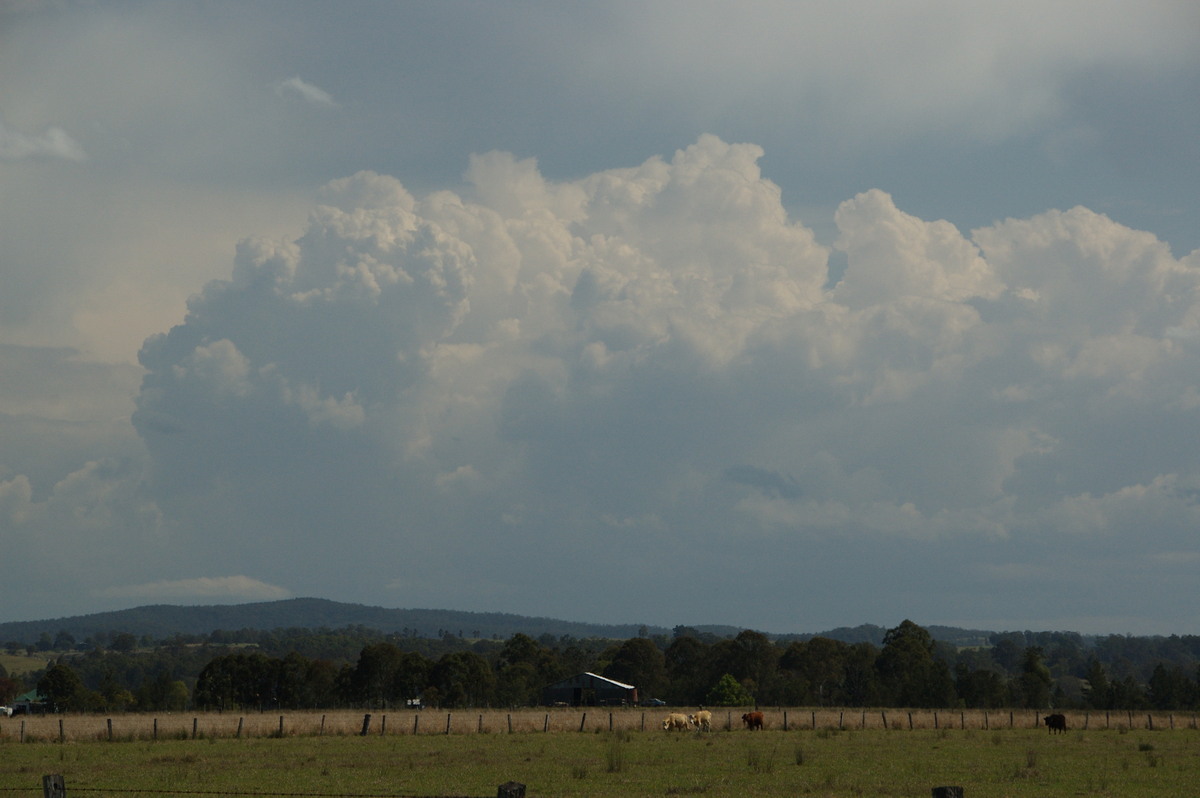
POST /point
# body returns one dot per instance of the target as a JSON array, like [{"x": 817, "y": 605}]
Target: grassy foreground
[{"x": 823, "y": 762}]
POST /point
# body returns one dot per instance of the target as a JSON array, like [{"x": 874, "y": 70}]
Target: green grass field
[
  {"x": 15, "y": 664},
  {"x": 822, "y": 762}
]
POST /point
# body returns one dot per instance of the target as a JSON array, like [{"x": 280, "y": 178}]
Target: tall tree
[
  {"x": 909, "y": 673},
  {"x": 639, "y": 662},
  {"x": 1034, "y": 683}
]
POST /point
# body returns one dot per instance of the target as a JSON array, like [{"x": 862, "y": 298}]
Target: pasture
[{"x": 474, "y": 759}]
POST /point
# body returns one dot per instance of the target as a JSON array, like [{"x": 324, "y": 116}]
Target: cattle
[
  {"x": 753, "y": 720},
  {"x": 1056, "y": 723},
  {"x": 702, "y": 720},
  {"x": 676, "y": 720}
]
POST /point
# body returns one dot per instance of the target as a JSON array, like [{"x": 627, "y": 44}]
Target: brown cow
[
  {"x": 1056, "y": 723},
  {"x": 753, "y": 720}
]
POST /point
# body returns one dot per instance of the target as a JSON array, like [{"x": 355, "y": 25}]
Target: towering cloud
[{"x": 653, "y": 360}]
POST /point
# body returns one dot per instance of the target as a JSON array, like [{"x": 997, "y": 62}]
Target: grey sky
[{"x": 783, "y": 315}]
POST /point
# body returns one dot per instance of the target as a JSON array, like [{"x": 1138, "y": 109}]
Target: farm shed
[{"x": 589, "y": 690}]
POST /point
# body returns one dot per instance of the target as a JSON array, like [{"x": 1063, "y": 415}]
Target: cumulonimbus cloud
[{"x": 657, "y": 350}]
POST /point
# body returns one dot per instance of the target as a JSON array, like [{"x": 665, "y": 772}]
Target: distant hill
[{"x": 162, "y": 621}]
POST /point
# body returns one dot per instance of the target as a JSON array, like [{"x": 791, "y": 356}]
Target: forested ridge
[{"x": 363, "y": 667}]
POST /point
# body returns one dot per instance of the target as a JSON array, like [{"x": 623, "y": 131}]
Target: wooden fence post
[
  {"x": 366, "y": 725},
  {"x": 110, "y": 730},
  {"x": 322, "y": 734},
  {"x": 546, "y": 723},
  {"x": 610, "y": 721},
  {"x": 53, "y": 786},
  {"x": 510, "y": 723},
  {"x": 511, "y": 789},
  {"x": 383, "y": 726},
  {"x": 416, "y": 721},
  {"x": 281, "y": 725},
  {"x": 194, "y": 722},
  {"x": 582, "y": 721},
  {"x": 785, "y": 726},
  {"x": 62, "y": 732},
  {"x": 156, "y": 728},
  {"x": 241, "y": 721},
  {"x": 447, "y": 723}
]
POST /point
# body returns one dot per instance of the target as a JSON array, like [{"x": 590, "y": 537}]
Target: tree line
[{"x": 364, "y": 668}]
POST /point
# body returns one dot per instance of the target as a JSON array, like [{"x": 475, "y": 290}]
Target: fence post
[
  {"x": 62, "y": 732},
  {"x": 447, "y": 723},
  {"x": 582, "y": 721},
  {"x": 383, "y": 726},
  {"x": 510, "y": 723},
  {"x": 241, "y": 721},
  {"x": 322, "y": 726},
  {"x": 110, "y": 730},
  {"x": 546, "y": 723},
  {"x": 416, "y": 721},
  {"x": 511, "y": 789},
  {"x": 610, "y": 721},
  {"x": 53, "y": 786},
  {"x": 785, "y": 728},
  {"x": 281, "y": 725},
  {"x": 884, "y": 716},
  {"x": 156, "y": 728},
  {"x": 366, "y": 725},
  {"x": 194, "y": 721}
]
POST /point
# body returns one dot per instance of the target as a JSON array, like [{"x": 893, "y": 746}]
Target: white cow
[
  {"x": 702, "y": 720},
  {"x": 676, "y": 720}
]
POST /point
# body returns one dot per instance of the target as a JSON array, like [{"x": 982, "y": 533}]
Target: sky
[{"x": 786, "y": 316}]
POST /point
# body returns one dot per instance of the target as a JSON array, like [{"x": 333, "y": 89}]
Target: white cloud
[
  {"x": 53, "y": 144},
  {"x": 219, "y": 588},
  {"x": 417, "y": 372},
  {"x": 307, "y": 92}
]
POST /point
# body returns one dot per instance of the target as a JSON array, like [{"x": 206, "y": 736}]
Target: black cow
[{"x": 1056, "y": 723}]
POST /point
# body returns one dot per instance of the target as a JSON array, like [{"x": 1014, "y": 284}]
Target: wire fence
[{"x": 216, "y": 725}]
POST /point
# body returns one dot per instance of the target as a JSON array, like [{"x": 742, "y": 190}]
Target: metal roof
[{"x": 590, "y": 675}]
